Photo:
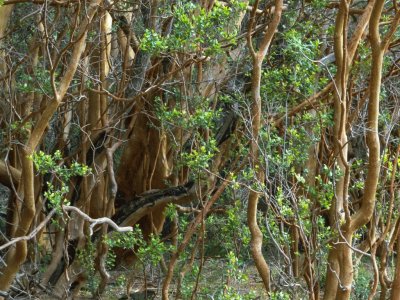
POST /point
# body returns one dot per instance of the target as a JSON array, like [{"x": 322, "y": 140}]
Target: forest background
[{"x": 200, "y": 149}]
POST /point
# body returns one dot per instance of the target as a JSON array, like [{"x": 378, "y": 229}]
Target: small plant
[
  {"x": 362, "y": 283},
  {"x": 235, "y": 278},
  {"x": 86, "y": 257},
  {"x": 121, "y": 280},
  {"x": 279, "y": 296}
]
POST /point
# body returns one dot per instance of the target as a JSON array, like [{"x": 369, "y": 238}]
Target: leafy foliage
[
  {"x": 195, "y": 29},
  {"x": 48, "y": 164}
]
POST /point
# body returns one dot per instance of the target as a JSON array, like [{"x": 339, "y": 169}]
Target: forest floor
[{"x": 212, "y": 283}]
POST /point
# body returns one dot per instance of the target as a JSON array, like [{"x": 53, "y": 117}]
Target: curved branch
[
  {"x": 98, "y": 221},
  {"x": 9, "y": 176}
]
